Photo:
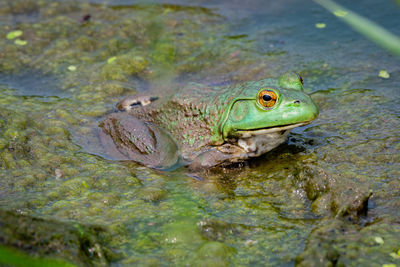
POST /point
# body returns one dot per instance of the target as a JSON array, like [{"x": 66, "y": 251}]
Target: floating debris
[
  {"x": 20, "y": 42},
  {"x": 384, "y": 74},
  {"x": 58, "y": 173},
  {"x": 111, "y": 60},
  {"x": 320, "y": 25},
  {"x": 72, "y": 68},
  {"x": 395, "y": 255},
  {"x": 379, "y": 240},
  {"x": 13, "y": 34}
]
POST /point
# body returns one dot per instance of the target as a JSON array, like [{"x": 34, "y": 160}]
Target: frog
[{"x": 203, "y": 126}]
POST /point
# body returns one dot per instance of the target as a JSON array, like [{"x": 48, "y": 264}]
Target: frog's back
[{"x": 191, "y": 115}]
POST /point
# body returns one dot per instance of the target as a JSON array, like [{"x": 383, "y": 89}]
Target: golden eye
[{"x": 267, "y": 98}]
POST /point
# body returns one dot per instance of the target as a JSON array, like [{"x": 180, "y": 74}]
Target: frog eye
[{"x": 267, "y": 98}]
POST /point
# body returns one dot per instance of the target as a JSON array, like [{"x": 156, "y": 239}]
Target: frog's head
[{"x": 268, "y": 106}]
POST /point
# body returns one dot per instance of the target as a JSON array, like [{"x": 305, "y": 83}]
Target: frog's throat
[{"x": 251, "y": 133}]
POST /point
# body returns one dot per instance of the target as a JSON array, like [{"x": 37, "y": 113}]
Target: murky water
[{"x": 331, "y": 194}]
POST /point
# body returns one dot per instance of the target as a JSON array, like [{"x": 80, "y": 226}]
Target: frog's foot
[
  {"x": 128, "y": 138},
  {"x": 135, "y": 101},
  {"x": 218, "y": 155}
]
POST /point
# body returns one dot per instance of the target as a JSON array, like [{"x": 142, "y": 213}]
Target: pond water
[{"x": 330, "y": 195}]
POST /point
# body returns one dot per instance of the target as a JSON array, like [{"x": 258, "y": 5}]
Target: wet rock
[
  {"x": 352, "y": 202},
  {"x": 356, "y": 238},
  {"x": 334, "y": 195},
  {"x": 338, "y": 243},
  {"x": 352, "y": 222},
  {"x": 79, "y": 244}
]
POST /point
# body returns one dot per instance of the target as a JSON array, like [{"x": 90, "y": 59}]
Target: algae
[
  {"x": 75, "y": 243},
  {"x": 16, "y": 258}
]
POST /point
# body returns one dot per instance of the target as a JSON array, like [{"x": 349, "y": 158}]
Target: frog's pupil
[{"x": 267, "y": 97}]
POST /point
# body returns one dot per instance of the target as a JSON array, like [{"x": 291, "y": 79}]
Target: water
[{"x": 267, "y": 211}]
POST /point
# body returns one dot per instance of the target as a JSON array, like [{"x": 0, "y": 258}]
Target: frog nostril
[{"x": 297, "y": 102}]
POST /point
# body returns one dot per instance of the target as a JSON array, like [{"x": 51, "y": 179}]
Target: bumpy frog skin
[{"x": 205, "y": 126}]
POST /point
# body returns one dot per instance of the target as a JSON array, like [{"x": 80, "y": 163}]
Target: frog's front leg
[
  {"x": 217, "y": 155},
  {"x": 128, "y": 138},
  {"x": 135, "y": 102}
]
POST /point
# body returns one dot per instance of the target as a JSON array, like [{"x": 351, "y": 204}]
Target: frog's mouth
[{"x": 261, "y": 131}]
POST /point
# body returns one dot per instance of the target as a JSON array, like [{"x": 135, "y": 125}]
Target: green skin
[{"x": 206, "y": 126}]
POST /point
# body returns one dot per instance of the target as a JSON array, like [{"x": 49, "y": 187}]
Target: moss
[
  {"x": 152, "y": 194},
  {"x": 74, "y": 187},
  {"x": 38, "y": 237}
]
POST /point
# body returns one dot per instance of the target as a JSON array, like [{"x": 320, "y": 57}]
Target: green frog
[{"x": 205, "y": 126}]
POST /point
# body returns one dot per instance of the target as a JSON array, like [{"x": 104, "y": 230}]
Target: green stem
[{"x": 366, "y": 27}]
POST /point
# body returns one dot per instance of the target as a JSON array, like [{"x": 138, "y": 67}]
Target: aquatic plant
[{"x": 366, "y": 27}]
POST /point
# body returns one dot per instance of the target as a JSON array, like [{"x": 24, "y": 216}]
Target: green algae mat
[{"x": 330, "y": 196}]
